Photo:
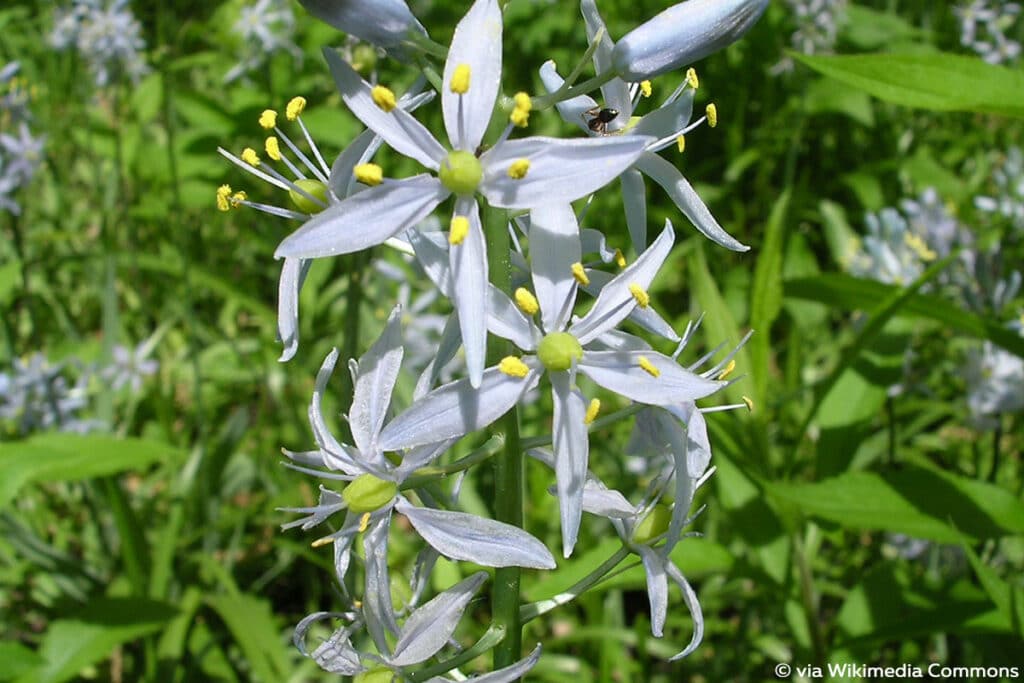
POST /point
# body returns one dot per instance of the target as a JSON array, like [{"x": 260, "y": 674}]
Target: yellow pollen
[
  {"x": 357, "y": 604},
  {"x": 273, "y": 149},
  {"x": 296, "y": 106},
  {"x": 580, "y": 274},
  {"x": 383, "y": 98},
  {"x": 321, "y": 541},
  {"x": 460, "y": 80},
  {"x": 250, "y": 157},
  {"x": 643, "y": 299},
  {"x": 750, "y": 403},
  {"x": 681, "y": 143},
  {"x": 592, "y": 410},
  {"x": 620, "y": 260},
  {"x": 458, "y": 230},
  {"x": 223, "y": 194},
  {"x": 648, "y": 367},
  {"x": 728, "y": 369},
  {"x": 237, "y": 198},
  {"x": 523, "y": 101},
  {"x": 645, "y": 88},
  {"x": 919, "y": 247},
  {"x": 364, "y": 522},
  {"x": 691, "y": 78},
  {"x": 520, "y": 116},
  {"x": 268, "y": 119},
  {"x": 712, "y": 113},
  {"x": 513, "y": 367},
  {"x": 526, "y": 301},
  {"x": 518, "y": 169},
  {"x": 368, "y": 174}
]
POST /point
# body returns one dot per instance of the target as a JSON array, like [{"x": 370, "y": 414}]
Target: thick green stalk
[{"x": 508, "y": 466}]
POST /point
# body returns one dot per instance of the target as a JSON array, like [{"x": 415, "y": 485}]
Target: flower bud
[
  {"x": 682, "y": 34},
  {"x": 381, "y": 22}
]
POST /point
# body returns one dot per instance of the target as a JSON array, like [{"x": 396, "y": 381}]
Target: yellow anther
[
  {"x": 268, "y": 119},
  {"x": 223, "y": 195},
  {"x": 645, "y": 88},
  {"x": 383, "y": 97},
  {"x": 237, "y": 198},
  {"x": 592, "y": 410},
  {"x": 691, "y": 78},
  {"x": 750, "y": 403},
  {"x": 648, "y": 367},
  {"x": 519, "y": 117},
  {"x": 681, "y": 143},
  {"x": 369, "y": 174},
  {"x": 357, "y": 604},
  {"x": 322, "y": 541},
  {"x": 513, "y": 367},
  {"x": 580, "y": 274},
  {"x": 712, "y": 112},
  {"x": 458, "y": 230},
  {"x": 643, "y": 299},
  {"x": 518, "y": 169},
  {"x": 526, "y": 301},
  {"x": 460, "y": 80},
  {"x": 730, "y": 366},
  {"x": 523, "y": 101},
  {"x": 919, "y": 247},
  {"x": 250, "y": 156},
  {"x": 364, "y": 522},
  {"x": 273, "y": 148},
  {"x": 620, "y": 260},
  {"x": 296, "y": 106}
]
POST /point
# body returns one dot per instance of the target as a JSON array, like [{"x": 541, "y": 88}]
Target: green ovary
[
  {"x": 367, "y": 493},
  {"x": 461, "y": 173},
  {"x": 312, "y": 187},
  {"x": 378, "y": 674},
  {"x": 653, "y": 525},
  {"x": 558, "y": 350}
]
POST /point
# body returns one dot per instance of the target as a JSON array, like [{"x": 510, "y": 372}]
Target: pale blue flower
[
  {"x": 385, "y": 23},
  {"x": 995, "y": 380},
  {"x": 106, "y": 34},
  {"x": 984, "y": 25},
  {"x": 1008, "y": 200},
  {"x": 263, "y": 28}
]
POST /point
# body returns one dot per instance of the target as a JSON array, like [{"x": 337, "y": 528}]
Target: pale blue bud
[
  {"x": 382, "y": 22},
  {"x": 682, "y": 34}
]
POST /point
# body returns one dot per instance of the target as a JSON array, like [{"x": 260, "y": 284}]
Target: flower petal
[
  {"x": 573, "y": 111},
  {"x": 604, "y": 502},
  {"x": 690, "y": 598},
  {"x": 432, "y": 253},
  {"x": 615, "y": 92},
  {"x": 685, "y": 197},
  {"x": 365, "y": 219},
  {"x": 468, "y": 262},
  {"x": 374, "y": 382},
  {"x": 461, "y": 536},
  {"x": 340, "y": 456},
  {"x": 620, "y": 371},
  {"x": 508, "y": 322},
  {"x": 476, "y": 44},
  {"x": 560, "y": 170},
  {"x": 335, "y": 654},
  {"x": 398, "y": 127},
  {"x": 378, "y": 610},
  {"x": 509, "y": 674},
  {"x": 616, "y": 301},
  {"x": 292, "y": 275},
  {"x": 554, "y": 247},
  {"x": 594, "y": 242},
  {"x": 572, "y": 448},
  {"x": 428, "y": 628},
  {"x": 657, "y": 587},
  {"x": 381, "y": 22},
  {"x": 634, "y": 200},
  {"x": 342, "y": 178},
  {"x": 667, "y": 120},
  {"x": 647, "y": 318},
  {"x": 456, "y": 409}
]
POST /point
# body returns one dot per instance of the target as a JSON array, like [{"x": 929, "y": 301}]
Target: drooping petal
[
  {"x": 686, "y": 198},
  {"x": 508, "y": 322},
  {"x": 377, "y": 606},
  {"x": 615, "y": 92},
  {"x": 365, "y": 219},
  {"x": 647, "y": 318},
  {"x": 468, "y": 262},
  {"x": 509, "y": 674},
  {"x": 398, "y": 127},
  {"x": 559, "y": 171},
  {"x": 671, "y": 431},
  {"x": 622, "y": 372},
  {"x": 461, "y": 536},
  {"x": 335, "y": 654},
  {"x": 572, "y": 448},
  {"x": 634, "y": 200},
  {"x": 573, "y": 111},
  {"x": 594, "y": 242},
  {"x": 477, "y": 45},
  {"x": 381, "y": 22},
  {"x": 456, "y": 409},
  {"x": 374, "y": 382},
  {"x": 605, "y": 502},
  {"x": 690, "y": 598},
  {"x": 657, "y": 587},
  {"x": 293, "y": 273},
  {"x": 616, "y": 301},
  {"x": 428, "y": 628},
  {"x": 554, "y": 247}
]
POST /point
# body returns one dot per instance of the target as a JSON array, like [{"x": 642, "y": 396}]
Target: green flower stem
[
  {"x": 508, "y": 466},
  {"x": 600, "y": 423},
  {"x": 494, "y": 636},
  {"x": 567, "y": 93},
  {"x": 425, "y": 475},
  {"x": 529, "y": 612},
  {"x": 356, "y": 267}
]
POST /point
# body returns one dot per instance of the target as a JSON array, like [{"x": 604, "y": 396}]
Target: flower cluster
[
  {"x": 106, "y": 34},
  {"x": 21, "y": 152},
  {"x": 495, "y": 181},
  {"x": 1009, "y": 184},
  {"x": 263, "y": 29},
  {"x": 983, "y": 28},
  {"x": 817, "y": 27}
]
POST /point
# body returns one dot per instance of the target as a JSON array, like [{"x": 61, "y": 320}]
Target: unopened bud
[{"x": 382, "y": 22}]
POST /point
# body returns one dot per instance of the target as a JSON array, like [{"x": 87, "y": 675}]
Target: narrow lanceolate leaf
[
  {"x": 461, "y": 536},
  {"x": 428, "y": 628},
  {"x": 941, "y": 82}
]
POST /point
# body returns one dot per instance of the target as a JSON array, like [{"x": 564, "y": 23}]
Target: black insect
[{"x": 598, "y": 119}]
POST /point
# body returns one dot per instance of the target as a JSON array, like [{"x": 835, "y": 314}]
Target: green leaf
[
  {"x": 1008, "y": 598},
  {"x": 766, "y": 297},
  {"x": 922, "y": 503},
  {"x": 10, "y": 280},
  {"x": 871, "y": 29},
  {"x": 17, "y": 660},
  {"x": 252, "y": 625},
  {"x": 70, "y": 645},
  {"x": 70, "y": 457},
  {"x": 825, "y": 95},
  {"x": 940, "y": 82}
]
